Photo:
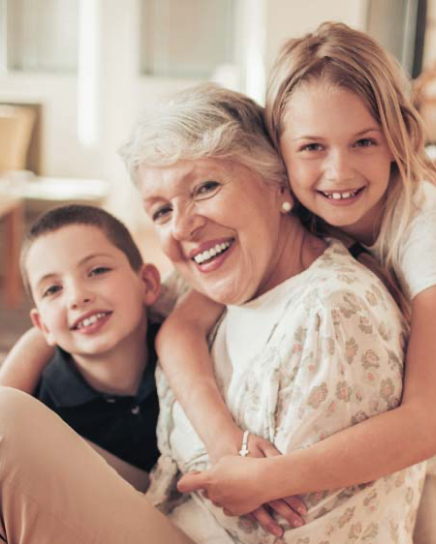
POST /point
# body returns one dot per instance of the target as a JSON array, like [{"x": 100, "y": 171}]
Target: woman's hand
[{"x": 239, "y": 485}]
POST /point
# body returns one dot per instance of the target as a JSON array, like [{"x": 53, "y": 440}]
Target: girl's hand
[{"x": 237, "y": 485}]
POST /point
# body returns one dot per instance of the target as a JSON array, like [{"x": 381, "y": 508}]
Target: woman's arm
[
  {"x": 184, "y": 354},
  {"x": 23, "y": 366},
  {"x": 379, "y": 446}
]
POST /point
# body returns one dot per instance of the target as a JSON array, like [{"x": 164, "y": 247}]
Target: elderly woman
[{"x": 310, "y": 343}]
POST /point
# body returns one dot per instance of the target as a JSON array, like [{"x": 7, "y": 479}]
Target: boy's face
[{"x": 88, "y": 298}]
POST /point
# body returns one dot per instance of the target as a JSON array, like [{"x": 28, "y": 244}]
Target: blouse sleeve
[
  {"x": 418, "y": 254},
  {"x": 342, "y": 367}
]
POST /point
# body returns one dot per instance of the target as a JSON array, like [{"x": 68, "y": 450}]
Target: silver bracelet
[{"x": 244, "y": 451}]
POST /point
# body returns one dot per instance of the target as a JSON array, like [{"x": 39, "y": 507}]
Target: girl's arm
[
  {"x": 184, "y": 355},
  {"x": 23, "y": 366},
  {"x": 379, "y": 446}
]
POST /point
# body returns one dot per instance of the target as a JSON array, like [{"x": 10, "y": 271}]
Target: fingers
[
  {"x": 269, "y": 450},
  {"x": 286, "y": 512},
  {"x": 193, "y": 481},
  {"x": 296, "y": 504},
  {"x": 259, "y": 447},
  {"x": 267, "y": 522}
]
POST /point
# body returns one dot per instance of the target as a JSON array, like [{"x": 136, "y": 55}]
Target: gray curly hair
[{"x": 205, "y": 121}]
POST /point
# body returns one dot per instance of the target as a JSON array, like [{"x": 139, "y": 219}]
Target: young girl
[{"x": 353, "y": 146}]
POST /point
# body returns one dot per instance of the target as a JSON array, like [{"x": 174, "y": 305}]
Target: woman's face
[{"x": 218, "y": 223}]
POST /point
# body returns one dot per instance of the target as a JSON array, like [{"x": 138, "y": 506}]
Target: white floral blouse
[{"x": 318, "y": 353}]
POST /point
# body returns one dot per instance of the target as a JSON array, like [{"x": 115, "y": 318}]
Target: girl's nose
[{"x": 338, "y": 166}]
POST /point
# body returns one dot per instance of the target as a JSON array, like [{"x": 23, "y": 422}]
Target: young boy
[{"x": 91, "y": 288}]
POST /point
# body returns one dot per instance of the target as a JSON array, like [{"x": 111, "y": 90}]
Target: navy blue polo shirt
[{"x": 122, "y": 425}]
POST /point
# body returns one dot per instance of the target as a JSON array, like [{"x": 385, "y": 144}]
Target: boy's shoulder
[{"x": 62, "y": 384}]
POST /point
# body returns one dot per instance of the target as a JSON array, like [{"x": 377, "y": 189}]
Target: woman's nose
[{"x": 186, "y": 223}]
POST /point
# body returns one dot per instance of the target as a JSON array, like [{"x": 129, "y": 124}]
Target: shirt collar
[{"x": 68, "y": 388}]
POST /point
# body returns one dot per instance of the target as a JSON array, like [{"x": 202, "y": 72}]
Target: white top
[
  {"x": 417, "y": 256},
  {"x": 318, "y": 353}
]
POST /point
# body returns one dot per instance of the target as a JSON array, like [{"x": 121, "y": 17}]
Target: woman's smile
[
  {"x": 211, "y": 255},
  {"x": 218, "y": 222}
]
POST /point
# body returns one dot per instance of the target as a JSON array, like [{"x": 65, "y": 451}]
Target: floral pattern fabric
[{"x": 318, "y": 353}]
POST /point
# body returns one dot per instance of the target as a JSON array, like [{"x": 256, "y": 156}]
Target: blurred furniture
[
  {"x": 11, "y": 211},
  {"x": 16, "y": 126},
  {"x": 55, "y": 189},
  {"x": 424, "y": 99}
]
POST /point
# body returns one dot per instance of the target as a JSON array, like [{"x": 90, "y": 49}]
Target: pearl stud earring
[{"x": 286, "y": 207}]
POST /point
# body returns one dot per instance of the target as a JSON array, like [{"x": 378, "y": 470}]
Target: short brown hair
[{"x": 76, "y": 214}]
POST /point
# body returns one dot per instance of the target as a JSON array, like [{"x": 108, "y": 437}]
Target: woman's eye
[
  {"x": 161, "y": 214},
  {"x": 52, "y": 290},
  {"x": 98, "y": 270},
  {"x": 206, "y": 189},
  {"x": 365, "y": 142},
  {"x": 311, "y": 147}
]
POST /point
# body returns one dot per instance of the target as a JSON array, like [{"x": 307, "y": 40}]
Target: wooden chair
[{"x": 16, "y": 125}]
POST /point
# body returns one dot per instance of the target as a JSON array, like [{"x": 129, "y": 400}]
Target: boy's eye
[
  {"x": 365, "y": 142},
  {"x": 206, "y": 190},
  {"x": 161, "y": 214},
  {"x": 98, "y": 270},
  {"x": 51, "y": 290}
]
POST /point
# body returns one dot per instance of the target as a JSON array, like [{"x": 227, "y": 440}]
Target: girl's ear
[
  {"x": 38, "y": 322},
  {"x": 151, "y": 279}
]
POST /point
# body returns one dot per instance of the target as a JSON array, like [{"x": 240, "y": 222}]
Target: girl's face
[{"x": 337, "y": 158}]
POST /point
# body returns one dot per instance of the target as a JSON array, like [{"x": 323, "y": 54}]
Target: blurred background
[{"x": 75, "y": 74}]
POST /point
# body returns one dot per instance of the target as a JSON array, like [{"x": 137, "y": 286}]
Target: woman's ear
[
  {"x": 150, "y": 277},
  {"x": 287, "y": 200},
  {"x": 36, "y": 319}
]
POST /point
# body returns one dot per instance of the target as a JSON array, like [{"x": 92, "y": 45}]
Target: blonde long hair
[{"x": 352, "y": 60}]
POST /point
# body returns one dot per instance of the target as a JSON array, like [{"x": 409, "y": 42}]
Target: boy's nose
[{"x": 78, "y": 296}]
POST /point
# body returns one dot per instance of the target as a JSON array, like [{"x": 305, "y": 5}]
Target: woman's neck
[{"x": 297, "y": 249}]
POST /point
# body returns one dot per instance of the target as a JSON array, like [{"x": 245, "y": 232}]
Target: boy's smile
[{"x": 89, "y": 300}]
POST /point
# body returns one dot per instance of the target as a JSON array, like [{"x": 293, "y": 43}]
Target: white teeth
[
  {"x": 339, "y": 196},
  {"x": 90, "y": 320},
  {"x": 210, "y": 253}
]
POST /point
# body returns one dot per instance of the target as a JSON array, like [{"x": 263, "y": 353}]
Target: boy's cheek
[{"x": 38, "y": 322}]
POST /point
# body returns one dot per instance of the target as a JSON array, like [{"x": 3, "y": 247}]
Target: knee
[{"x": 17, "y": 409}]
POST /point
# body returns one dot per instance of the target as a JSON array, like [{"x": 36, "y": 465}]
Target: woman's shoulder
[{"x": 336, "y": 278}]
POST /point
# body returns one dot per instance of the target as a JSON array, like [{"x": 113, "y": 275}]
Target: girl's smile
[{"x": 337, "y": 158}]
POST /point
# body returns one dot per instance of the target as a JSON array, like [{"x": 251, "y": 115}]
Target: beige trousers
[
  {"x": 425, "y": 528},
  {"x": 54, "y": 488}
]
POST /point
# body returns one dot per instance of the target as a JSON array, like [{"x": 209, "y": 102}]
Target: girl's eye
[
  {"x": 98, "y": 270},
  {"x": 161, "y": 214},
  {"x": 365, "y": 142},
  {"x": 206, "y": 190},
  {"x": 51, "y": 290},
  {"x": 311, "y": 147}
]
